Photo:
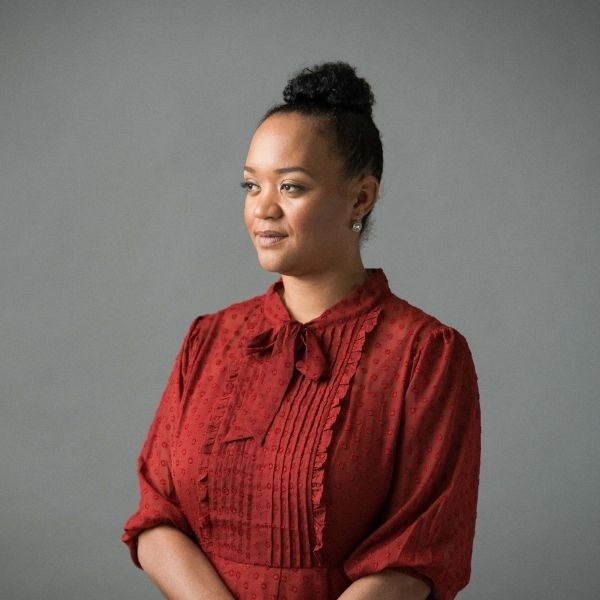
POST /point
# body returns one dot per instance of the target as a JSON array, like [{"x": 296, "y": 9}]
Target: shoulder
[
  {"x": 427, "y": 346},
  {"x": 225, "y": 319},
  {"x": 229, "y": 321},
  {"x": 233, "y": 312},
  {"x": 415, "y": 327}
]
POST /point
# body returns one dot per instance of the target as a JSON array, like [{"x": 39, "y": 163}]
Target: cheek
[
  {"x": 328, "y": 216},
  {"x": 247, "y": 213},
  {"x": 306, "y": 222}
]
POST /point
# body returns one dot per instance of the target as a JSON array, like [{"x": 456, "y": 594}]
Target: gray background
[{"x": 123, "y": 128}]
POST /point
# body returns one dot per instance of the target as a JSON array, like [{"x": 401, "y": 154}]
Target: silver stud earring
[{"x": 356, "y": 226}]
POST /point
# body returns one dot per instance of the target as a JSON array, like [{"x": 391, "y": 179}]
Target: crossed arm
[
  {"x": 178, "y": 567},
  {"x": 388, "y": 584},
  {"x": 181, "y": 571}
]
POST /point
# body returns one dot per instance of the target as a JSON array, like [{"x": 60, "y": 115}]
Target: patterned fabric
[{"x": 300, "y": 457}]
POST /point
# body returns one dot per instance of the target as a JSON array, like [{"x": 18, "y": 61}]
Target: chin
[
  {"x": 292, "y": 267},
  {"x": 272, "y": 266},
  {"x": 280, "y": 268}
]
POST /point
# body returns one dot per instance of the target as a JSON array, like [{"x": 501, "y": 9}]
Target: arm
[
  {"x": 160, "y": 538},
  {"x": 178, "y": 567},
  {"x": 388, "y": 584},
  {"x": 427, "y": 524}
]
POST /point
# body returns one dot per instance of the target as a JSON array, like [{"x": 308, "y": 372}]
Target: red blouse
[{"x": 301, "y": 457}]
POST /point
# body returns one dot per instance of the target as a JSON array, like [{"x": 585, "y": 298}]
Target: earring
[{"x": 356, "y": 226}]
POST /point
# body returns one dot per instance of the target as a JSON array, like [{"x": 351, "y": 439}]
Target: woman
[{"x": 321, "y": 440}]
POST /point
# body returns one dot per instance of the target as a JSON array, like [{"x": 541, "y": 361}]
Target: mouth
[{"x": 269, "y": 238}]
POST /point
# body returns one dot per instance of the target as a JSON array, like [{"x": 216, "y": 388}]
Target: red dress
[{"x": 301, "y": 457}]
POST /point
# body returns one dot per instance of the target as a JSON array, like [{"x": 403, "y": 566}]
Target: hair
[{"x": 334, "y": 91}]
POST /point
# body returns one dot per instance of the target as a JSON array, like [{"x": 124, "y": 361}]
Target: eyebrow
[{"x": 282, "y": 170}]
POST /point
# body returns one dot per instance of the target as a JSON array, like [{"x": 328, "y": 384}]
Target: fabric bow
[{"x": 290, "y": 347}]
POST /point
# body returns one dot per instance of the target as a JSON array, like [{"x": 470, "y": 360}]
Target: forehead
[{"x": 290, "y": 139}]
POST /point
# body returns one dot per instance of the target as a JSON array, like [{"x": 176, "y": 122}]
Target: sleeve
[
  {"x": 158, "y": 502},
  {"x": 427, "y": 525}
]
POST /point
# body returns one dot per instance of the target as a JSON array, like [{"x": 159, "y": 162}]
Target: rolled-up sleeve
[
  {"x": 427, "y": 526},
  {"x": 158, "y": 501}
]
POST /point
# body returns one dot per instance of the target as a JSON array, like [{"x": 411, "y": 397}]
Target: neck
[{"x": 307, "y": 297}]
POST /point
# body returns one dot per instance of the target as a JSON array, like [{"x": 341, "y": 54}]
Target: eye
[
  {"x": 249, "y": 186},
  {"x": 291, "y": 187}
]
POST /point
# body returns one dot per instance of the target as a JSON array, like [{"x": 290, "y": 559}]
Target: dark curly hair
[{"x": 334, "y": 91}]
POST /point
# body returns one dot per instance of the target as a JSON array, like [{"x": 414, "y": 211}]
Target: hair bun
[{"x": 331, "y": 84}]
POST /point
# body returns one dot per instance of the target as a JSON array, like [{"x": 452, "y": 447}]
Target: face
[{"x": 298, "y": 195}]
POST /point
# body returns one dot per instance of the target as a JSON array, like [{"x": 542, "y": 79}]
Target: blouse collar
[
  {"x": 289, "y": 345},
  {"x": 360, "y": 300}
]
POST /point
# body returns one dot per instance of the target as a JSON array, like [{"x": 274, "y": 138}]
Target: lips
[
  {"x": 269, "y": 237},
  {"x": 270, "y": 233}
]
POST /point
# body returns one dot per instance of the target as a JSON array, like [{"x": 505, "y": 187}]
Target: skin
[
  {"x": 320, "y": 263},
  {"x": 178, "y": 567},
  {"x": 388, "y": 584},
  {"x": 314, "y": 204}
]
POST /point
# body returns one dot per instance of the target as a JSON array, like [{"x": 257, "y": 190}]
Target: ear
[{"x": 366, "y": 194}]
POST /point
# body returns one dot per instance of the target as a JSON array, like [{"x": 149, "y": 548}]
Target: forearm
[
  {"x": 178, "y": 567},
  {"x": 388, "y": 584}
]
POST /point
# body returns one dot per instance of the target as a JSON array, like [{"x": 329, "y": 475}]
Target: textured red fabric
[{"x": 301, "y": 457}]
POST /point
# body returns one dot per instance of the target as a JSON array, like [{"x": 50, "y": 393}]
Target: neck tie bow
[
  {"x": 296, "y": 343},
  {"x": 283, "y": 350}
]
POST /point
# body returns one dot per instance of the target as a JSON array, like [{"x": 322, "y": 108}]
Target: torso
[{"x": 292, "y": 496}]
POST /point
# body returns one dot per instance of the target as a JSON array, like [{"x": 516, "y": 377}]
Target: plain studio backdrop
[{"x": 123, "y": 128}]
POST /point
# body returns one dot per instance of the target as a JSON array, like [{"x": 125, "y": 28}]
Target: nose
[{"x": 266, "y": 204}]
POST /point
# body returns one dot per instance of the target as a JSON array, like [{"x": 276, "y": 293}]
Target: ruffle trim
[
  {"x": 204, "y": 522},
  {"x": 317, "y": 496}
]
